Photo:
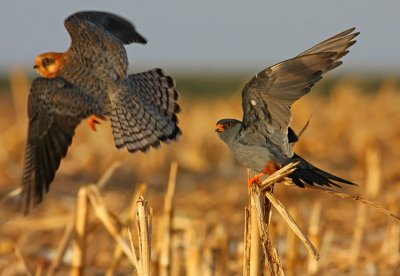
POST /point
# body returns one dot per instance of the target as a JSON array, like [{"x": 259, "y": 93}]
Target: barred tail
[{"x": 146, "y": 114}]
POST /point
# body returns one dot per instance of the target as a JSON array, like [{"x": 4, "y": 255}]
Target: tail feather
[
  {"x": 155, "y": 87},
  {"x": 307, "y": 173},
  {"x": 146, "y": 115}
]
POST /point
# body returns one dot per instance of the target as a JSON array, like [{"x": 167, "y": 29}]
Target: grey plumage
[
  {"x": 264, "y": 134},
  {"x": 91, "y": 78},
  {"x": 97, "y": 53},
  {"x": 113, "y": 24},
  {"x": 141, "y": 106},
  {"x": 149, "y": 113},
  {"x": 55, "y": 108}
]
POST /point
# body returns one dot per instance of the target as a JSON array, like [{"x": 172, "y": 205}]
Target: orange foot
[
  {"x": 95, "y": 120},
  {"x": 255, "y": 180},
  {"x": 269, "y": 169}
]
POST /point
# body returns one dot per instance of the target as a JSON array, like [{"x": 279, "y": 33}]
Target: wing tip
[{"x": 121, "y": 28}]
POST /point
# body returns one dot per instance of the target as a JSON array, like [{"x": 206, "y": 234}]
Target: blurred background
[{"x": 212, "y": 49}]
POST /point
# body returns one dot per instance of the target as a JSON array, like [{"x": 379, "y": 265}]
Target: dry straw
[
  {"x": 166, "y": 224},
  {"x": 191, "y": 251},
  {"x": 76, "y": 230},
  {"x": 258, "y": 247}
]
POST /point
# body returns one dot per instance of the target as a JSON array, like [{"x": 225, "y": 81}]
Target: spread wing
[
  {"x": 268, "y": 97},
  {"x": 55, "y": 108},
  {"x": 98, "y": 38}
]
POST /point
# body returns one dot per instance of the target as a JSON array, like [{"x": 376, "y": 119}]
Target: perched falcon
[
  {"x": 90, "y": 79},
  {"x": 263, "y": 140}
]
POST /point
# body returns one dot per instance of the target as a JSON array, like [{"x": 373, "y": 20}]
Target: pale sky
[{"x": 208, "y": 35}]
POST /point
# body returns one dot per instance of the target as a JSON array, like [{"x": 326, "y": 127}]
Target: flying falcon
[
  {"x": 90, "y": 80},
  {"x": 262, "y": 141}
]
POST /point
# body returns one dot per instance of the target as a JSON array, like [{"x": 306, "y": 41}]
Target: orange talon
[
  {"x": 254, "y": 180},
  {"x": 95, "y": 120},
  {"x": 269, "y": 169}
]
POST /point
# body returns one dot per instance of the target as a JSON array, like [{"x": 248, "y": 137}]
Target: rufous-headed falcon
[{"x": 90, "y": 79}]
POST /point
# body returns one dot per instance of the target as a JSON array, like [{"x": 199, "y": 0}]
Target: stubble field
[{"x": 353, "y": 132}]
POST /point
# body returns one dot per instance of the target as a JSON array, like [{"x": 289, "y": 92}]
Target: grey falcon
[
  {"x": 90, "y": 80},
  {"x": 263, "y": 140}
]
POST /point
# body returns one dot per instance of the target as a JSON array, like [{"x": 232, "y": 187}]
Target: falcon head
[
  {"x": 49, "y": 65},
  {"x": 227, "y": 129}
]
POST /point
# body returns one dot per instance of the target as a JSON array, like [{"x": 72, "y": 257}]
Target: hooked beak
[
  {"x": 35, "y": 66},
  {"x": 219, "y": 128}
]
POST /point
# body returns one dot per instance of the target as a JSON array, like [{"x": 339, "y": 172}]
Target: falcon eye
[
  {"x": 46, "y": 61},
  {"x": 227, "y": 124}
]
